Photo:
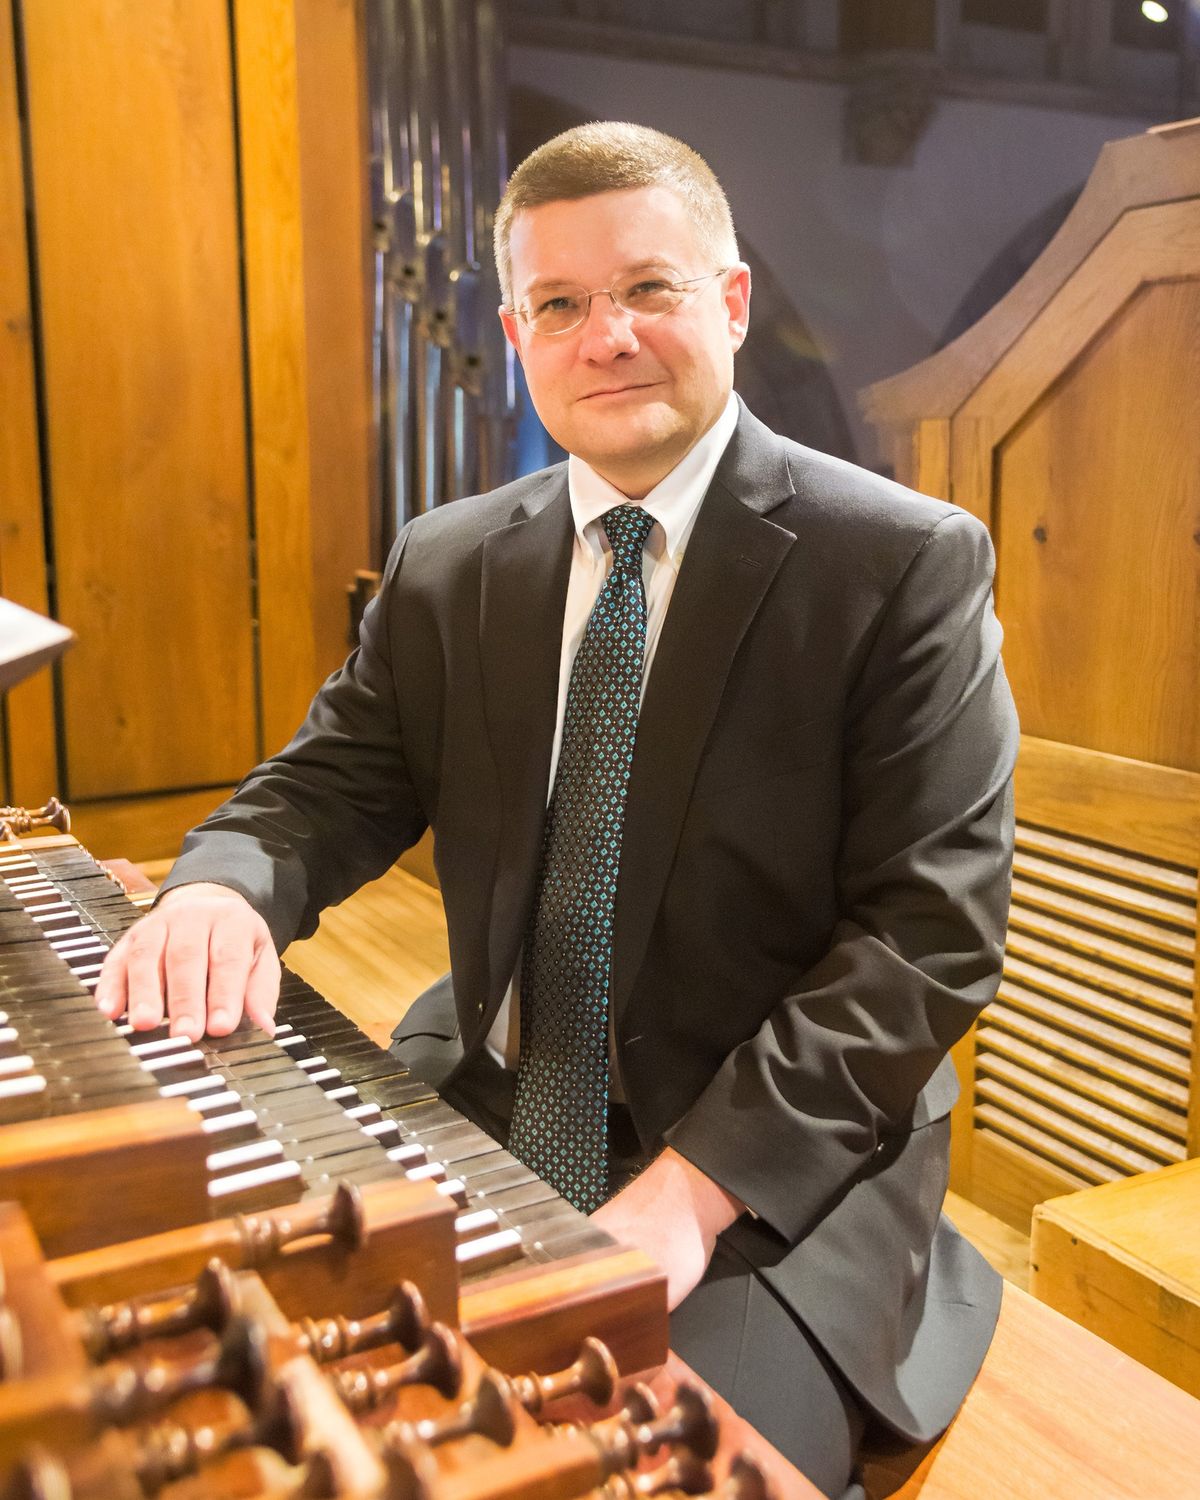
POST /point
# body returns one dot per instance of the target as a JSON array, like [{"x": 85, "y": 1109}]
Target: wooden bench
[
  {"x": 1123, "y": 1259},
  {"x": 1056, "y": 1414}
]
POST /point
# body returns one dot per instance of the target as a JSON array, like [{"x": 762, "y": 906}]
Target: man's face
[{"x": 629, "y": 395}]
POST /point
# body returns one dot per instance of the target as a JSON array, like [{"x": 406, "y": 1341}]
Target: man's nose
[{"x": 607, "y": 330}]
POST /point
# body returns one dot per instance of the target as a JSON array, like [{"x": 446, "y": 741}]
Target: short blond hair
[{"x": 608, "y": 156}]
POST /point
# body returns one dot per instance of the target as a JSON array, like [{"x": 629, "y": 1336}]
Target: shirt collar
[{"x": 674, "y": 500}]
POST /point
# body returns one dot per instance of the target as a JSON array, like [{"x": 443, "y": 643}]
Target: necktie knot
[{"x": 627, "y": 527}]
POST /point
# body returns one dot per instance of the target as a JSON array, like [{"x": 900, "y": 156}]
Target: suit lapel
[
  {"x": 731, "y": 561},
  {"x": 523, "y": 595}
]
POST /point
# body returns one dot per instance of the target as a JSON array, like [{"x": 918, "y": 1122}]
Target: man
[{"x": 761, "y": 691}]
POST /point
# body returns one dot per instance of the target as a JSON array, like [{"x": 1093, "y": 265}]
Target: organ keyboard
[
  {"x": 285, "y": 1267},
  {"x": 286, "y": 1118}
]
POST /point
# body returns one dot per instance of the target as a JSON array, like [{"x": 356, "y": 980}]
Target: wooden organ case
[
  {"x": 283, "y": 1267},
  {"x": 1068, "y": 419}
]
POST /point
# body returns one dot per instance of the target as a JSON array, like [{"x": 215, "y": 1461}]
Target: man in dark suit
[{"x": 796, "y": 884}]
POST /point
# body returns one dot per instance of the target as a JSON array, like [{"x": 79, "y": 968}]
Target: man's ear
[
  {"x": 511, "y": 330},
  {"x": 737, "y": 302}
]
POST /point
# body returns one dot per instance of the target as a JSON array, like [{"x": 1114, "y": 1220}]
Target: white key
[
  {"x": 423, "y": 1173},
  {"x": 312, "y": 1064},
  {"x": 78, "y": 948},
  {"x": 362, "y": 1111},
  {"x": 278, "y": 1171},
  {"x": 10, "y": 1065},
  {"x": 164, "y": 1044},
  {"x": 327, "y": 1075},
  {"x": 489, "y": 1244},
  {"x": 14, "y": 1088},
  {"x": 242, "y": 1156},
  {"x": 473, "y": 1223},
  {"x": 410, "y": 1152},
  {"x": 223, "y": 1122},
  {"x": 226, "y": 1099},
  {"x": 381, "y": 1127},
  {"x": 195, "y": 1085},
  {"x": 172, "y": 1060},
  {"x": 347, "y": 1091}
]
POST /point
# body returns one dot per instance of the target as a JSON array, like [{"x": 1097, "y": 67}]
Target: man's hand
[
  {"x": 674, "y": 1213},
  {"x": 199, "y": 958}
]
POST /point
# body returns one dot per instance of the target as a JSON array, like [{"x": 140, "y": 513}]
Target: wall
[{"x": 876, "y": 259}]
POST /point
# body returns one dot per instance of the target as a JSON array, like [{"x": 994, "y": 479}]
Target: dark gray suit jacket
[{"x": 815, "y": 864}]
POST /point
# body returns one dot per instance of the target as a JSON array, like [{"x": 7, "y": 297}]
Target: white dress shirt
[{"x": 673, "y": 503}]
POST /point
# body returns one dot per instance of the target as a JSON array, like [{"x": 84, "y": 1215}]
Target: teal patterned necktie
[{"x": 560, "y": 1116}]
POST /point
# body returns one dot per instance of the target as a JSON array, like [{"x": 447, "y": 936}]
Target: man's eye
[
  {"x": 647, "y": 288},
  {"x": 558, "y": 304}
]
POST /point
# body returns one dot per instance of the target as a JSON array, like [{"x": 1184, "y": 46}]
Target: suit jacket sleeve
[
  {"x": 796, "y": 1113},
  {"x": 336, "y": 807}
]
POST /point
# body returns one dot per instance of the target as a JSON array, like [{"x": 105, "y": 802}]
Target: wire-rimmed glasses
[{"x": 562, "y": 308}]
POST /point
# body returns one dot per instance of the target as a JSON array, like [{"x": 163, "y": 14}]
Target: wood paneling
[
  {"x": 143, "y": 828},
  {"x": 337, "y": 275},
  {"x": 1098, "y": 494},
  {"x": 1068, "y": 419},
  {"x": 28, "y": 710},
  {"x": 1084, "y": 1070},
  {"x": 301, "y": 101},
  {"x": 134, "y": 181},
  {"x": 275, "y": 335}
]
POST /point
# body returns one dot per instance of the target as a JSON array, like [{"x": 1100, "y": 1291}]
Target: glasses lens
[
  {"x": 647, "y": 296},
  {"x": 556, "y": 311}
]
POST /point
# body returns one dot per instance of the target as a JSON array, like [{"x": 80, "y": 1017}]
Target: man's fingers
[
  {"x": 111, "y": 992},
  {"x": 229, "y": 960},
  {"x": 144, "y": 945},
  {"x": 198, "y": 959},
  {"x": 185, "y": 968},
  {"x": 262, "y": 992}
]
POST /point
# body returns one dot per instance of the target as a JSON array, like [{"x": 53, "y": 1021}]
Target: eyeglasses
[{"x": 640, "y": 296}]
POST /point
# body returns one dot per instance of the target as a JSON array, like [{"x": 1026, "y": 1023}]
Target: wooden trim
[
  {"x": 338, "y": 253},
  {"x": 29, "y": 708},
  {"x": 1193, "y": 1128},
  {"x": 1160, "y": 242},
  {"x": 275, "y": 332},
  {"x": 1155, "y": 167},
  {"x": 1132, "y": 804},
  {"x": 972, "y": 444},
  {"x": 931, "y": 458},
  {"x": 302, "y": 102}
]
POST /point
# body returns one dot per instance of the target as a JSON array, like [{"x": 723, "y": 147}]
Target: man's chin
[{"x": 636, "y": 432}]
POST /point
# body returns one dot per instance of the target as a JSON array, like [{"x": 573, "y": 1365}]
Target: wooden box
[{"x": 1123, "y": 1259}]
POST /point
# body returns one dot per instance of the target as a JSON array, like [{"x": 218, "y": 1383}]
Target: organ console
[{"x": 284, "y": 1267}]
